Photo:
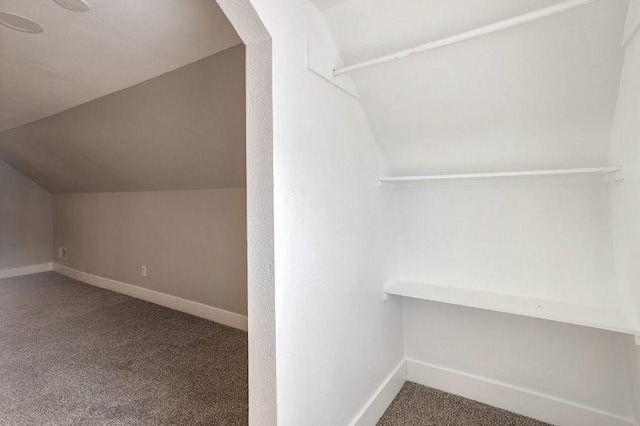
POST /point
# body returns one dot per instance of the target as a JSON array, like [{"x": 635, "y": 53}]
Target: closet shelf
[
  {"x": 609, "y": 174},
  {"x": 587, "y": 316}
]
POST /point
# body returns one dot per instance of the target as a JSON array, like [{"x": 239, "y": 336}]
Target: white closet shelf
[
  {"x": 608, "y": 173},
  {"x": 587, "y": 316}
]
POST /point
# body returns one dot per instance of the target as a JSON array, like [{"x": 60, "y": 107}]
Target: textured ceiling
[
  {"x": 83, "y": 56},
  {"x": 181, "y": 130},
  {"x": 538, "y": 96}
]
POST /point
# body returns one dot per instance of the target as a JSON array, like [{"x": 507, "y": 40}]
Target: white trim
[
  {"x": 194, "y": 308},
  {"x": 25, "y": 270},
  {"x": 611, "y": 174},
  {"x": 382, "y": 397},
  {"x": 610, "y": 318},
  {"x": 546, "y": 408}
]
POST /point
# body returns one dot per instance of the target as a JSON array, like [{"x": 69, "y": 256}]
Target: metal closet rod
[{"x": 467, "y": 35}]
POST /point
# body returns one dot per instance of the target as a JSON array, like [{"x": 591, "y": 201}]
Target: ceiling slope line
[
  {"x": 467, "y": 35},
  {"x": 632, "y": 35}
]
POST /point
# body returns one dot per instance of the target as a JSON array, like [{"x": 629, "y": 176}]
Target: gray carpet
[
  {"x": 72, "y": 354},
  {"x": 418, "y": 405}
]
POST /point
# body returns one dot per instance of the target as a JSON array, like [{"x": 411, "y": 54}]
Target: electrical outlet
[
  {"x": 143, "y": 272},
  {"x": 62, "y": 253}
]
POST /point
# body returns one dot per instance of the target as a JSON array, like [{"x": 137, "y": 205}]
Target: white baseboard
[
  {"x": 382, "y": 397},
  {"x": 187, "y": 306},
  {"x": 25, "y": 270},
  {"x": 539, "y": 406}
]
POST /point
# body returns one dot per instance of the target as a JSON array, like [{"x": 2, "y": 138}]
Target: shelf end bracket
[{"x": 616, "y": 176}]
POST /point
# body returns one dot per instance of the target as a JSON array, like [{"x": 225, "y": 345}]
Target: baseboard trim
[
  {"x": 539, "y": 406},
  {"x": 173, "y": 302},
  {"x": 25, "y": 270},
  {"x": 382, "y": 397}
]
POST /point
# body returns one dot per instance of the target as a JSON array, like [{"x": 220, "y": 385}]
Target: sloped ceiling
[
  {"x": 182, "y": 130},
  {"x": 83, "y": 56},
  {"x": 326, "y": 4},
  {"x": 538, "y": 96}
]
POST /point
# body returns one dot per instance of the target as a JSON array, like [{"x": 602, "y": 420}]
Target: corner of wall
[
  {"x": 25, "y": 222},
  {"x": 634, "y": 365}
]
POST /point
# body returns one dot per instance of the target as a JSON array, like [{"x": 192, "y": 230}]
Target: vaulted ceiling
[
  {"x": 83, "y": 56},
  {"x": 326, "y": 4},
  {"x": 182, "y": 130},
  {"x": 538, "y": 96},
  {"x": 137, "y": 95}
]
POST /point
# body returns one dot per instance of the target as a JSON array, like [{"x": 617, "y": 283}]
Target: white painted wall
[
  {"x": 634, "y": 362},
  {"x": 260, "y": 210},
  {"x": 544, "y": 241},
  {"x": 537, "y": 240},
  {"x": 625, "y": 149},
  {"x": 633, "y": 21},
  {"x": 541, "y": 95},
  {"x": 577, "y": 364},
  {"x": 625, "y": 196},
  {"x": 337, "y": 340}
]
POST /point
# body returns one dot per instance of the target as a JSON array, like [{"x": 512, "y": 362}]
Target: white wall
[
  {"x": 541, "y": 95},
  {"x": 260, "y": 211},
  {"x": 577, "y": 364},
  {"x": 634, "y": 356},
  {"x": 541, "y": 241},
  {"x": 633, "y": 21},
  {"x": 625, "y": 196},
  {"x": 336, "y": 338},
  {"x": 625, "y": 150},
  {"x": 25, "y": 221}
]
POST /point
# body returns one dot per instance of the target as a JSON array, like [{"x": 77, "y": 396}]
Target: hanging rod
[{"x": 478, "y": 32}]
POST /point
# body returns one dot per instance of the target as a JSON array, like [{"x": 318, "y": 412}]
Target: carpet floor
[
  {"x": 417, "y": 405},
  {"x": 73, "y": 354}
]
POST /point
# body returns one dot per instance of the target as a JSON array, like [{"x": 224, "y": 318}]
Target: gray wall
[
  {"x": 181, "y": 130},
  {"x": 25, "y": 220},
  {"x": 193, "y": 243},
  {"x": 152, "y": 175}
]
